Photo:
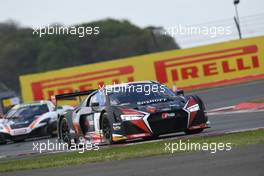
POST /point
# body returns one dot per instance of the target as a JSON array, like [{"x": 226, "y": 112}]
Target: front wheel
[
  {"x": 64, "y": 132},
  {"x": 107, "y": 130},
  {"x": 2, "y": 139}
]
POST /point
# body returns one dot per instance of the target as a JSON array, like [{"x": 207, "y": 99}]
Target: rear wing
[{"x": 75, "y": 96}]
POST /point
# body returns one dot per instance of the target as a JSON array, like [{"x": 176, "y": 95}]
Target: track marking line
[{"x": 234, "y": 112}]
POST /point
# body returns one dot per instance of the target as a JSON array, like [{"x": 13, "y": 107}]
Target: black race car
[{"x": 132, "y": 110}]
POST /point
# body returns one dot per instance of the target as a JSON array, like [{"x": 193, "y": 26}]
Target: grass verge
[
  {"x": 125, "y": 152},
  {"x": 257, "y": 100}
]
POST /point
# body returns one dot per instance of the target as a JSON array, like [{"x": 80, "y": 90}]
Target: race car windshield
[
  {"x": 136, "y": 95},
  {"x": 29, "y": 110}
]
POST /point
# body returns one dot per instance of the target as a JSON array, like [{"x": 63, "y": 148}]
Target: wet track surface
[{"x": 213, "y": 98}]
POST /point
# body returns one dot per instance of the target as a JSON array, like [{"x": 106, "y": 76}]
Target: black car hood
[{"x": 160, "y": 105}]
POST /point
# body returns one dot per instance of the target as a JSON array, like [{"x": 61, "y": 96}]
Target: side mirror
[
  {"x": 94, "y": 104},
  {"x": 180, "y": 93}
]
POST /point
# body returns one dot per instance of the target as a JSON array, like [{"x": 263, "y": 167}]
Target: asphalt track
[
  {"x": 213, "y": 98},
  {"x": 237, "y": 162}
]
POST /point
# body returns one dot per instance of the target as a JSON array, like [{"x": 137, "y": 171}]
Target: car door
[{"x": 97, "y": 102}]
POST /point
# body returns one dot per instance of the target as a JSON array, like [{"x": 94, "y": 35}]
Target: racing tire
[
  {"x": 107, "y": 129},
  {"x": 2, "y": 139},
  {"x": 64, "y": 132}
]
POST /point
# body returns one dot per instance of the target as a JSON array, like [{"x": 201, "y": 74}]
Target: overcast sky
[
  {"x": 37, "y": 13},
  {"x": 141, "y": 12}
]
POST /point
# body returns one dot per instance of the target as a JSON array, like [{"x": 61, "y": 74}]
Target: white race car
[{"x": 30, "y": 120}]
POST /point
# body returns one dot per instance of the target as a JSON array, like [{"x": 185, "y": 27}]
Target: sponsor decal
[
  {"x": 20, "y": 131},
  {"x": 116, "y": 126},
  {"x": 166, "y": 115},
  {"x": 78, "y": 82},
  {"x": 199, "y": 67},
  {"x": 207, "y": 64}
]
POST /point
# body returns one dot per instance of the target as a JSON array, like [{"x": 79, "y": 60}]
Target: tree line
[{"x": 21, "y": 52}]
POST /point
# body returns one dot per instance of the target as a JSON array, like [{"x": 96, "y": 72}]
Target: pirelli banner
[{"x": 200, "y": 67}]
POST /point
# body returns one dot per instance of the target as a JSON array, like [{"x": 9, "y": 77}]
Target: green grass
[
  {"x": 257, "y": 100},
  {"x": 125, "y": 152}
]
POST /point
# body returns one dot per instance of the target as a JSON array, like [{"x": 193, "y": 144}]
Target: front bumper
[
  {"x": 23, "y": 133},
  {"x": 158, "y": 124}
]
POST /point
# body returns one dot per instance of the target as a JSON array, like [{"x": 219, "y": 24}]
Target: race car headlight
[
  {"x": 131, "y": 114},
  {"x": 128, "y": 117},
  {"x": 194, "y": 108}
]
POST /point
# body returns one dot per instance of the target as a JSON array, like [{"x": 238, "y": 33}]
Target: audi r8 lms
[
  {"x": 132, "y": 110},
  {"x": 29, "y": 120}
]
